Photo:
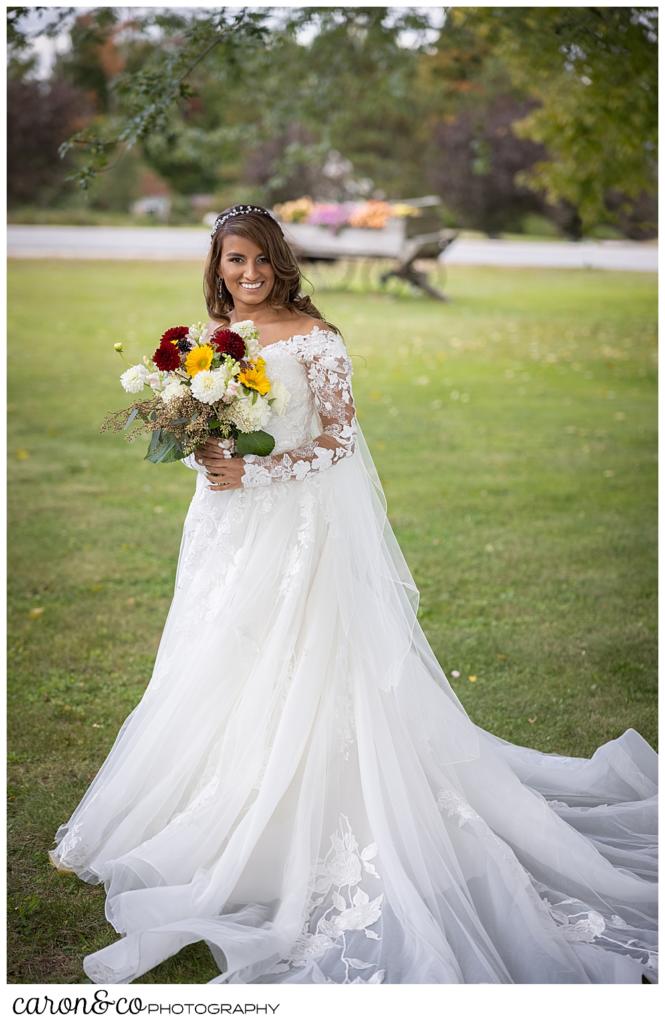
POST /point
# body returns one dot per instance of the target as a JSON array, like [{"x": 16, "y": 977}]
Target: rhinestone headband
[{"x": 235, "y": 211}]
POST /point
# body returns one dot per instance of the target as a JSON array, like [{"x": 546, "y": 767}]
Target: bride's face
[{"x": 247, "y": 272}]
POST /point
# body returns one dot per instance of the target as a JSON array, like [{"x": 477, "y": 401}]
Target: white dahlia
[
  {"x": 134, "y": 379},
  {"x": 209, "y": 386}
]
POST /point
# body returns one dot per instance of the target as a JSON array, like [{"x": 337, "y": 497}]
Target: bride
[{"x": 299, "y": 786}]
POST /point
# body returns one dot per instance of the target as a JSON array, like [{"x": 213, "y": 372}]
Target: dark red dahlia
[
  {"x": 167, "y": 356},
  {"x": 178, "y": 336},
  {"x": 174, "y": 334},
  {"x": 228, "y": 343}
]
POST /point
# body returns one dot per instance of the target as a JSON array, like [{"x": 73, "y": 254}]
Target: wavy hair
[{"x": 264, "y": 231}]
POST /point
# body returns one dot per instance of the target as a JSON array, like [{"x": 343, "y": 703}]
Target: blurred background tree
[{"x": 537, "y": 119}]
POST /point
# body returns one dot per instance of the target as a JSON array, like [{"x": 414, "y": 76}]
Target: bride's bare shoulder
[{"x": 306, "y": 324}]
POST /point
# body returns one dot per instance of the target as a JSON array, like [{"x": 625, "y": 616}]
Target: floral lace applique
[
  {"x": 584, "y": 926},
  {"x": 303, "y": 544},
  {"x": 578, "y": 922},
  {"x": 339, "y": 906},
  {"x": 329, "y": 371},
  {"x": 454, "y": 806},
  {"x": 344, "y": 718},
  {"x": 283, "y": 686}
]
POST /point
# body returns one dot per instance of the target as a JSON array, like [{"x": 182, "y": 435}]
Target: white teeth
[{"x": 253, "y": 286}]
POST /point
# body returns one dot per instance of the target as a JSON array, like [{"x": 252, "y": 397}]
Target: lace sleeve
[
  {"x": 329, "y": 370},
  {"x": 191, "y": 463}
]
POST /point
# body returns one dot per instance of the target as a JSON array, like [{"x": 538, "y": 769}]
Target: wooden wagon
[{"x": 403, "y": 239}]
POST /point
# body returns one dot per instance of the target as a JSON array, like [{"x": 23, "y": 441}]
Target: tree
[
  {"x": 473, "y": 160},
  {"x": 146, "y": 102},
  {"x": 593, "y": 72},
  {"x": 39, "y": 116}
]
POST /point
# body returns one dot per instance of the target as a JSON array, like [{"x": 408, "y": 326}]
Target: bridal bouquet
[{"x": 218, "y": 388}]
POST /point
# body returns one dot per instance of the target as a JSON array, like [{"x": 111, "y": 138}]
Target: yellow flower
[
  {"x": 200, "y": 358},
  {"x": 255, "y": 376}
]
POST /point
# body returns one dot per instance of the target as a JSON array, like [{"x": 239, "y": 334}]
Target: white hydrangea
[
  {"x": 209, "y": 385},
  {"x": 174, "y": 389},
  {"x": 134, "y": 379},
  {"x": 281, "y": 396},
  {"x": 249, "y": 415}
]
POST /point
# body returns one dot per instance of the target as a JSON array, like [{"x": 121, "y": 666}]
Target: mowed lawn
[{"x": 514, "y": 430}]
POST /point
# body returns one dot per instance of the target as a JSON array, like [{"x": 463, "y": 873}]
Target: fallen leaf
[
  {"x": 472, "y": 679},
  {"x": 34, "y": 613},
  {"x": 532, "y": 720}
]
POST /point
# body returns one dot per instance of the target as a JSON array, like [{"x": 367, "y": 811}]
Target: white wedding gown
[{"x": 300, "y": 787}]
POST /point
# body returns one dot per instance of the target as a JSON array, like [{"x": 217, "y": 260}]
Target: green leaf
[
  {"x": 163, "y": 447},
  {"x": 255, "y": 442},
  {"x": 130, "y": 419}
]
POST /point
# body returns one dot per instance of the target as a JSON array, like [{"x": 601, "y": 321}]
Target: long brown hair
[{"x": 264, "y": 231}]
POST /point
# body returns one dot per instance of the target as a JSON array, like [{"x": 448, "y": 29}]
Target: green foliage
[
  {"x": 163, "y": 447},
  {"x": 147, "y": 96},
  {"x": 255, "y": 442},
  {"x": 504, "y": 112},
  {"x": 594, "y": 72}
]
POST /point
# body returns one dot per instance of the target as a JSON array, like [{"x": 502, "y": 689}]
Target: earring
[{"x": 220, "y": 287}]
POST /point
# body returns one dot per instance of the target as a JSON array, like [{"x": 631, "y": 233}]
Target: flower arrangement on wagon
[{"x": 213, "y": 388}]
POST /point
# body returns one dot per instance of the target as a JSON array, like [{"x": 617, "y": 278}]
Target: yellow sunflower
[
  {"x": 255, "y": 376},
  {"x": 198, "y": 359}
]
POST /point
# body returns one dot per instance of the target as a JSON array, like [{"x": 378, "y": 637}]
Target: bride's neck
[{"x": 261, "y": 317}]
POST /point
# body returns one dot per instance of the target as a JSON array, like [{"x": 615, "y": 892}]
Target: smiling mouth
[{"x": 252, "y": 287}]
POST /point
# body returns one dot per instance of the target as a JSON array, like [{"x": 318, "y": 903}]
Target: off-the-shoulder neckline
[
  {"x": 284, "y": 341},
  {"x": 315, "y": 328}
]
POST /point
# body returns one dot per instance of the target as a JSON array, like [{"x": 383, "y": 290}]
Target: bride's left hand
[{"x": 223, "y": 472}]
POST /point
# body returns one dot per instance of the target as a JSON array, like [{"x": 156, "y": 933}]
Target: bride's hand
[{"x": 222, "y": 471}]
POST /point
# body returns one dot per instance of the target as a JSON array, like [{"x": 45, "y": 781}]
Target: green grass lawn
[{"x": 514, "y": 430}]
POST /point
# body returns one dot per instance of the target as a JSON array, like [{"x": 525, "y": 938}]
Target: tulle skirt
[{"x": 301, "y": 789}]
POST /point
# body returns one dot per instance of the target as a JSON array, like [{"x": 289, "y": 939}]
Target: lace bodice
[{"x": 317, "y": 428}]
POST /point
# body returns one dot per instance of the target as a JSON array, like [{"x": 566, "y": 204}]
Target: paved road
[{"x": 127, "y": 243}]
